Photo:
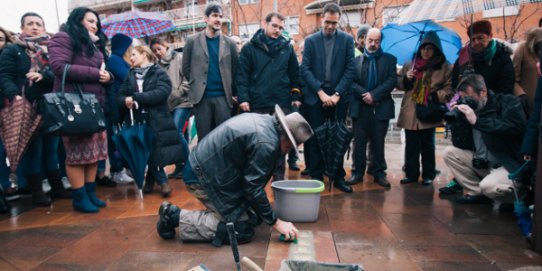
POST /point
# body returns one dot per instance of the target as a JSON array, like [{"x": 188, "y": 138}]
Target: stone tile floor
[{"x": 402, "y": 228}]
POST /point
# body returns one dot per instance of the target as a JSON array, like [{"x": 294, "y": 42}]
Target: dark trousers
[
  {"x": 368, "y": 128},
  {"x": 420, "y": 142},
  {"x": 209, "y": 113},
  {"x": 317, "y": 115}
]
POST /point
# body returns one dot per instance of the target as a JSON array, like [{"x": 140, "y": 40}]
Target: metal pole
[
  {"x": 57, "y": 16},
  {"x": 193, "y": 19},
  {"x": 275, "y": 6}
]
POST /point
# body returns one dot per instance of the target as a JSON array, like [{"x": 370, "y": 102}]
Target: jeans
[{"x": 180, "y": 115}]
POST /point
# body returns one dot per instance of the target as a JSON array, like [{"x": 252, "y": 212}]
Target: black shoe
[
  {"x": 355, "y": 179},
  {"x": 407, "y": 181},
  {"x": 148, "y": 187},
  {"x": 341, "y": 185},
  {"x": 427, "y": 182},
  {"x": 451, "y": 188},
  {"x": 306, "y": 172},
  {"x": 168, "y": 220},
  {"x": 472, "y": 199},
  {"x": 105, "y": 181},
  {"x": 382, "y": 182},
  {"x": 293, "y": 166}
]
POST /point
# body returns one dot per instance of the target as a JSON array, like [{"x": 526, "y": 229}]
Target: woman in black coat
[{"x": 146, "y": 90}]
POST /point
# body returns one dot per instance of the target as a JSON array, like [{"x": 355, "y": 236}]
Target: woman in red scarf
[{"x": 428, "y": 74}]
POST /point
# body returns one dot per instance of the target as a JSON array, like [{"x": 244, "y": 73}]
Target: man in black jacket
[
  {"x": 228, "y": 171},
  {"x": 498, "y": 123},
  {"x": 268, "y": 74}
]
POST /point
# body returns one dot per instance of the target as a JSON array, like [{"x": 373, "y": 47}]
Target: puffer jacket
[
  {"x": 166, "y": 147},
  {"x": 234, "y": 163}
]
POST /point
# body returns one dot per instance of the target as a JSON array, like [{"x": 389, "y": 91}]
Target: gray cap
[{"x": 363, "y": 29}]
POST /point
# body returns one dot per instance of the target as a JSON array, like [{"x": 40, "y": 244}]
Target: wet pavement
[{"x": 405, "y": 227}]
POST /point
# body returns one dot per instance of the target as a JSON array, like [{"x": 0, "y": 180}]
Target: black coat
[
  {"x": 166, "y": 147},
  {"x": 502, "y": 123},
  {"x": 265, "y": 78},
  {"x": 498, "y": 74},
  {"x": 15, "y": 64}
]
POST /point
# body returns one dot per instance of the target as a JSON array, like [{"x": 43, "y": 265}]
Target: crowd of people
[{"x": 332, "y": 76}]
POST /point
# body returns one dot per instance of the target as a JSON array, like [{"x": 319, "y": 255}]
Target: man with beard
[
  {"x": 209, "y": 64},
  {"x": 498, "y": 124}
]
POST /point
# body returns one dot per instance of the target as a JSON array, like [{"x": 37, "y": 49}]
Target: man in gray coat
[{"x": 209, "y": 61}]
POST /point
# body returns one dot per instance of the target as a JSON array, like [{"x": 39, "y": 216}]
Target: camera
[
  {"x": 455, "y": 114},
  {"x": 480, "y": 163}
]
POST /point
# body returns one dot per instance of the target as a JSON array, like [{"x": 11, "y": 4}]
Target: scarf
[
  {"x": 272, "y": 44},
  {"x": 487, "y": 55},
  {"x": 372, "y": 77},
  {"x": 423, "y": 80},
  {"x": 36, "y": 49},
  {"x": 165, "y": 60},
  {"x": 141, "y": 71}
]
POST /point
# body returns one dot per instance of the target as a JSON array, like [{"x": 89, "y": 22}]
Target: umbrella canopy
[
  {"x": 522, "y": 212},
  {"x": 137, "y": 24},
  {"x": 334, "y": 139},
  {"x": 20, "y": 121},
  {"x": 449, "y": 9},
  {"x": 134, "y": 143},
  {"x": 403, "y": 41}
]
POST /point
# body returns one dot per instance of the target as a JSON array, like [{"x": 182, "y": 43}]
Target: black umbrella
[
  {"x": 134, "y": 142},
  {"x": 334, "y": 139}
]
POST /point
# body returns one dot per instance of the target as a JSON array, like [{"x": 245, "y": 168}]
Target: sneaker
[
  {"x": 66, "y": 183},
  {"x": 122, "y": 177},
  {"x": 45, "y": 186},
  {"x": 451, "y": 188},
  {"x": 11, "y": 194},
  {"x": 165, "y": 190},
  {"x": 168, "y": 220},
  {"x": 105, "y": 181}
]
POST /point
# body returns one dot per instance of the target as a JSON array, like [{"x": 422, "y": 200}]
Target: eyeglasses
[{"x": 428, "y": 48}]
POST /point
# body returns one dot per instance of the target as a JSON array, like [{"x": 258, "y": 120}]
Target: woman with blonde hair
[{"x": 145, "y": 91}]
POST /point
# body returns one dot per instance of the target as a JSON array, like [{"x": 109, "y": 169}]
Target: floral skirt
[{"x": 85, "y": 150}]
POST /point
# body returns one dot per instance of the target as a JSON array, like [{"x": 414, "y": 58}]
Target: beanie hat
[
  {"x": 363, "y": 29},
  {"x": 482, "y": 26},
  {"x": 120, "y": 43}
]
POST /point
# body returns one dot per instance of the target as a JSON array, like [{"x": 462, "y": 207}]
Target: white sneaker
[
  {"x": 66, "y": 183},
  {"x": 45, "y": 186},
  {"x": 122, "y": 177}
]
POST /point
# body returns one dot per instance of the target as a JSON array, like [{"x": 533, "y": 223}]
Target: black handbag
[
  {"x": 71, "y": 113},
  {"x": 433, "y": 111}
]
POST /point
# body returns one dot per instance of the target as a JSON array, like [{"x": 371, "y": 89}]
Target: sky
[{"x": 12, "y": 10}]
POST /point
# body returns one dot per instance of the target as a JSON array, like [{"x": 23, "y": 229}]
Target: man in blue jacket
[
  {"x": 327, "y": 70},
  {"x": 268, "y": 73}
]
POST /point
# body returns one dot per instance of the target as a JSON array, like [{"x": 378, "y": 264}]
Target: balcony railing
[
  {"x": 190, "y": 15},
  {"x": 98, "y": 4}
]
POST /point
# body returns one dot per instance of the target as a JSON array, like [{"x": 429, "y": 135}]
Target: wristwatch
[{"x": 336, "y": 94}]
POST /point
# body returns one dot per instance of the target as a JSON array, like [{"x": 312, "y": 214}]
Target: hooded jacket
[{"x": 266, "y": 77}]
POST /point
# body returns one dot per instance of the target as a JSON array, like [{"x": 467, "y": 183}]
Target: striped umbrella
[
  {"x": 449, "y": 9},
  {"x": 137, "y": 24}
]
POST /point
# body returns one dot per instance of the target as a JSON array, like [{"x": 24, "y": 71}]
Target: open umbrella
[
  {"x": 449, "y": 9},
  {"x": 403, "y": 41},
  {"x": 134, "y": 143},
  {"x": 137, "y": 24},
  {"x": 334, "y": 139},
  {"x": 20, "y": 121}
]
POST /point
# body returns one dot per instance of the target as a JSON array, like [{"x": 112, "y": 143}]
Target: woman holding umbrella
[
  {"x": 146, "y": 91},
  {"x": 81, "y": 43},
  {"x": 427, "y": 77}
]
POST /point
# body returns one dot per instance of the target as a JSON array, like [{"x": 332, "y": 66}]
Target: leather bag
[
  {"x": 72, "y": 113},
  {"x": 433, "y": 111}
]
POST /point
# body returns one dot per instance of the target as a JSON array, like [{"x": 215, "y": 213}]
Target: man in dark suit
[
  {"x": 327, "y": 69},
  {"x": 209, "y": 63},
  {"x": 372, "y": 107}
]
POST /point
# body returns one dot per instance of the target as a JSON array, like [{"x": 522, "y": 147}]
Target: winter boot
[
  {"x": 57, "y": 187},
  {"x": 168, "y": 220},
  {"x": 91, "y": 192},
  {"x": 81, "y": 202},
  {"x": 4, "y": 205},
  {"x": 39, "y": 198}
]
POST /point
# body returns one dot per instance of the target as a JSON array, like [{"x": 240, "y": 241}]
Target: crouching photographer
[{"x": 497, "y": 123}]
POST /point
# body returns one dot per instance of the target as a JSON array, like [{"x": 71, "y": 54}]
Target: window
[
  {"x": 391, "y": 14},
  {"x": 246, "y": 2},
  {"x": 292, "y": 25},
  {"x": 191, "y": 8},
  {"x": 247, "y": 30},
  {"x": 351, "y": 18}
]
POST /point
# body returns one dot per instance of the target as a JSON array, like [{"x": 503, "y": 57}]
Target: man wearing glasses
[
  {"x": 327, "y": 70},
  {"x": 268, "y": 74}
]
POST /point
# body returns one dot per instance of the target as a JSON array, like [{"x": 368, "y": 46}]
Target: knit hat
[
  {"x": 120, "y": 43},
  {"x": 483, "y": 27},
  {"x": 362, "y": 31},
  {"x": 295, "y": 126}
]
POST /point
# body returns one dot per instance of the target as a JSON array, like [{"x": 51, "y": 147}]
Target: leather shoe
[
  {"x": 472, "y": 199},
  {"x": 382, "y": 182},
  {"x": 427, "y": 182},
  {"x": 168, "y": 220},
  {"x": 341, "y": 185},
  {"x": 355, "y": 179},
  {"x": 407, "y": 181}
]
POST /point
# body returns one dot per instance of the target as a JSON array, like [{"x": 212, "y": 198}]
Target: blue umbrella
[
  {"x": 134, "y": 142},
  {"x": 403, "y": 41}
]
